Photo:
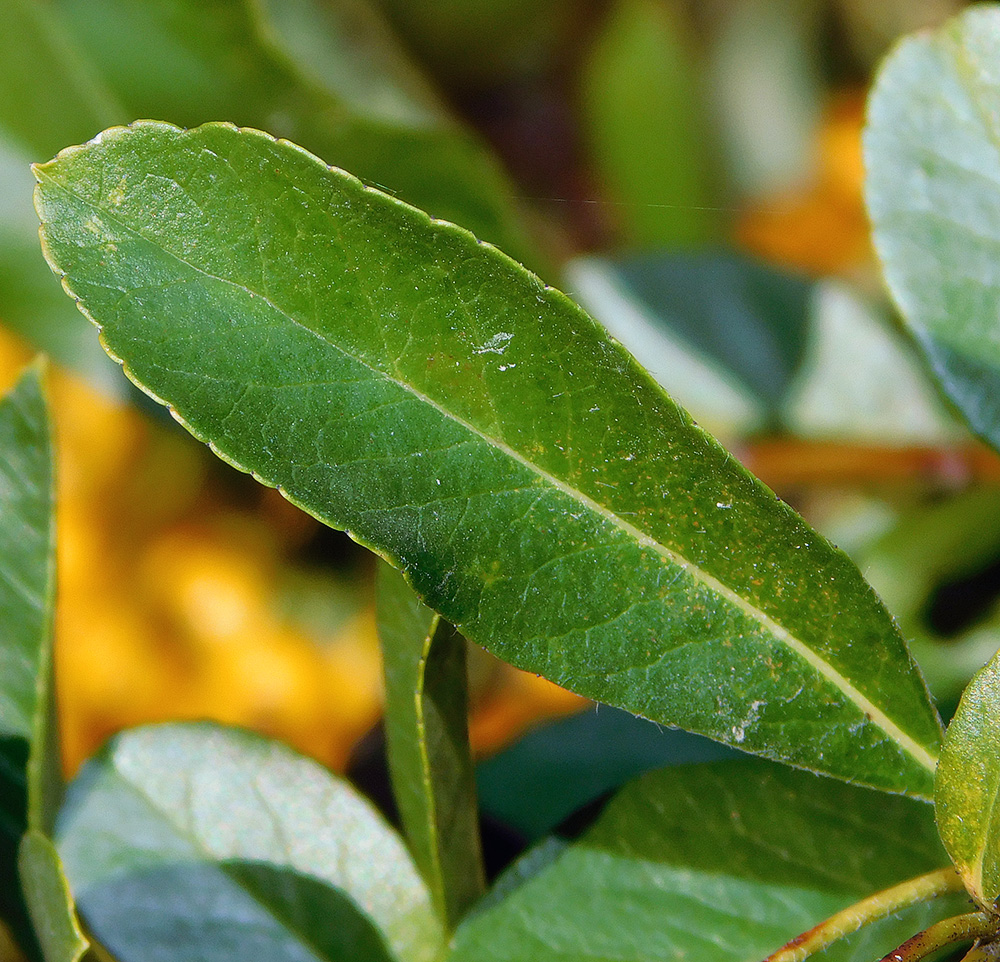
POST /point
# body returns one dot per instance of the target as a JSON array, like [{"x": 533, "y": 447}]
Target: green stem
[
  {"x": 961, "y": 928},
  {"x": 872, "y": 909}
]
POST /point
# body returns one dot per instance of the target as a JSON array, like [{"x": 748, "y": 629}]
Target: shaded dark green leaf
[
  {"x": 400, "y": 380},
  {"x": 715, "y": 863},
  {"x": 198, "y": 841},
  {"x": 427, "y": 735},
  {"x": 556, "y": 769}
]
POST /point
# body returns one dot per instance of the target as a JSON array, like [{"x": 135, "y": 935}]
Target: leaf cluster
[{"x": 531, "y": 489}]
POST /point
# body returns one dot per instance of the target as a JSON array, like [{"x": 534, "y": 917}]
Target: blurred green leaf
[
  {"x": 928, "y": 547},
  {"x": 197, "y": 841},
  {"x": 427, "y": 733},
  {"x": 404, "y": 382},
  {"x": 745, "y": 346},
  {"x": 330, "y": 77},
  {"x": 715, "y": 863},
  {"x": 967, "y": 786},
  {"x": 52, "y": 95},
  {"x": 764, "y": 71},
  {"x": 472, "y": 43},
  {"x": 859, "y": 381},
  {"x": 30, "y": 781},
  {"x": 933, "y": 170},
  {"x": 188, "y": 61},
  {"x": 643, "y": 117},
  {"x": 29, "y": 304},
  {"x": 349, "y": 50},
  {"x": 49, "y": 900}
]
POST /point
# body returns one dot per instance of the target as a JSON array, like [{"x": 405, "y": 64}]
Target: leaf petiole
[
  {"x": 961, "y": 928},
  {"x": 882, "y": 904}
]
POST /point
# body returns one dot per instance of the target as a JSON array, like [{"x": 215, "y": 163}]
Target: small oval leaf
[
  {"x": 398, "y": 379},
  {"x": 197, "y": 841},
  {"x": 968, "y": 786},
  {"x": 933, "y": 196}
]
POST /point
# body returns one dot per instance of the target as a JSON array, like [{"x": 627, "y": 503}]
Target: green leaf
[
  {"x": 729, "y": 358},
  {"x": 643, "y": 120},
  {"x": 51, "y": 97},
  {"x": 184, "y": 841},
  {"x": 968, "y": 784},
  {"x": 30, "y": 785},
  {"x": 29, "y": 304},
  {"x": 931, "y": 151},
  {"x": 722, "y": 862},
  {"x": 400, "y": 380},
  {"x": 49, "y": 900},
  {"x": 329, "y": 76},
  {"x": 427, "y": 733}
]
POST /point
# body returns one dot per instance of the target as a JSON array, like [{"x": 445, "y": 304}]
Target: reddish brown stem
[{"x": 961, "y": 928}]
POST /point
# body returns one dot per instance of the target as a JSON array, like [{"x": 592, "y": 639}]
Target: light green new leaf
[
  {"x": 398, "y": 379},
  {"x": 968, "y": 786},
  {"x": 427, "y": 733},
  {"x": 49, "y": 900},
  {"x": 30, "y": 786},
  {"x": 933, "y": 191},
  {"x": 723, "y": 862},
  {"x": 197, "y": 841}
]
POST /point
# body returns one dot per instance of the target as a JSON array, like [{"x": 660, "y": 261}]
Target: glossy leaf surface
[
  {"x": 185, "y": 841},
  {"x": 933, "y": 192},
  {"x": 968, "y": 786},
  {"x": 404, "y": 382},
  {"x": 722, "y": 862},
  {"x": 29, "y": 761},
  {"x": 427, "y": 735}
]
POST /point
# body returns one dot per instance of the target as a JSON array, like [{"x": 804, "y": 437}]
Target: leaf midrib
[{"x": 877, "y": 716}]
